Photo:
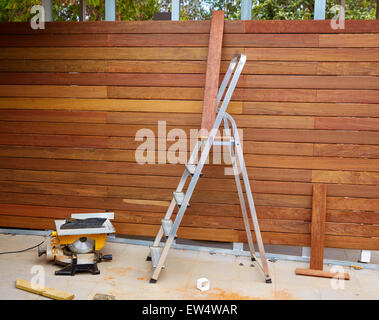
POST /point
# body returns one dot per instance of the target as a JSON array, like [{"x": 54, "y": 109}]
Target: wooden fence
[{"x": 74, "y": 95}]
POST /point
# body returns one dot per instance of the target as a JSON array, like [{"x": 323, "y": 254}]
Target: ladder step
[
  {"x": 179, "y": 197},
  {"x": 220, "y": 141},
  {"x": 191, "y": 169},
  {"x": 224, "y": 143},
  {"x": 166, "y": 225},
  {"x": 155, "y": 255}
]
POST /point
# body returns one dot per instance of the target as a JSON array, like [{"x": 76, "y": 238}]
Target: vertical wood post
[
  {"x": 318, "y": 226},
  {"x": 213, "y": 70},
  {"x": 319, "y": 9}
]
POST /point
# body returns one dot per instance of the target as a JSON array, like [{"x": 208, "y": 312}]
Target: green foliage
[
  {"x": 283, "y": 10},
  {"x": 272, "y": 9},
  {"x": 16, "y": 10},
  {"x": 189, "y": 10},
  {"x": 303, "y": 10},
  {"x": 137, "y": 9},
  {"x": 355, "y": 9},
  {"x": 68, "y": 10}
]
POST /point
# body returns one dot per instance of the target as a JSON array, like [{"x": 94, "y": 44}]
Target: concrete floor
[{"x": 126, "y": 277}]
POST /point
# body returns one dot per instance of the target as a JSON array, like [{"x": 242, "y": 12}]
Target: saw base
[{"x": 74, "y": 267}]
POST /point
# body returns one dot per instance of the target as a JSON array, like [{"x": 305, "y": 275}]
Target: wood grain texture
[
  {"x": 204, "y": 233},
  {"x": 212, "y": 74},
  {"x": 53, "y": 65},
  {"x": 345, "y": 177},
  {"x": 164, "y": 106},
  {"x": 322, "y": 274},
  {"x": 254, "y": 26},
  {"x": 74, "y": 95},
  {"x": 317, "y": 109},
  {"x": 313, "y": 54},
  {"x": 318, "y": 226},
  {"x": 161, "y": 66},
  {"x": 46, "y": 91}
]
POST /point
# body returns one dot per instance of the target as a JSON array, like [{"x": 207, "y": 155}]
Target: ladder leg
[
  {"x": 178, "y": 219},
  {"x": 169, "y": 212},
  {"x": 162, "y": 259},
  {"x": 182, "y": 209},
  {"x": 252, "y": 209},
  {"x": 243, "y": 207},
  {"x": 240, "y": 195},
  {"x": 160, "y": 233}
]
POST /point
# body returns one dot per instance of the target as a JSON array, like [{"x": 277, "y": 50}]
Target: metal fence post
[
  {"x": 246, "y": 6},
  {"x": 48, "y": 7},
  {"x": 110, "y": 10},
  {"x": 320, "y": 9},
  {"x": 82, "y": 10},
  {"x": 175, "y": 10}
]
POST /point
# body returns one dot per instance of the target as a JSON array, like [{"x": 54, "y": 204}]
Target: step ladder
[{"x": 193, "y": 171}]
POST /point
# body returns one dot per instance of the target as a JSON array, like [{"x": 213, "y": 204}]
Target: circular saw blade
[{"x": 82, "y": 245}]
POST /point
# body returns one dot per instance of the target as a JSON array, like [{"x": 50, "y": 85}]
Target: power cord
[{"x": 23, "y": 249}]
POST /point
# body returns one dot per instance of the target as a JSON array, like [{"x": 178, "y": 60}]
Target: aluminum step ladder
[{"x": 193, "y": 171}]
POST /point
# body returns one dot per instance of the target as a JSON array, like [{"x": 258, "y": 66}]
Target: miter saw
[{"x": 77, "y": 242}]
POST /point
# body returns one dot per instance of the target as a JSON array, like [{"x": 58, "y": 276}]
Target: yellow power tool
[{"x": 77, "y": 242}]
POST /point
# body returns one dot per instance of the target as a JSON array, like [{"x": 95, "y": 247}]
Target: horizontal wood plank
[
  {"x": 74, "y": 95},
  {"x": 253, "y": 26},
  {"x": 313, "y": 54},
  {"x": 348, "y": 177},
  {"x": 109, "y": 105}
]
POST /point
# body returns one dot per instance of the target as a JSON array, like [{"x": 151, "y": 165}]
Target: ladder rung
[
  {"x": 155, "y": 255},
  {"x": 191, "y": 169},
  {"x": 179, "y": 197},
  {"x": 166, "y": 225},
  {"x": 225, "y": 138},
  {"x": 220, "y": 141},
  {"x": 223, "y": 143}
]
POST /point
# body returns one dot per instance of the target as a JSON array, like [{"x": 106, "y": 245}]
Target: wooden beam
[
  {"x": 43, "y": 291},
  {"x": 322, "y": 274},
  {"x": 318, "y": 226},
  {"x": 213, "y": 70}
]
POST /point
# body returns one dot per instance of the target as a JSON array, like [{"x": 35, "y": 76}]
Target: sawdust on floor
[{"x": 119, "y": 271}]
